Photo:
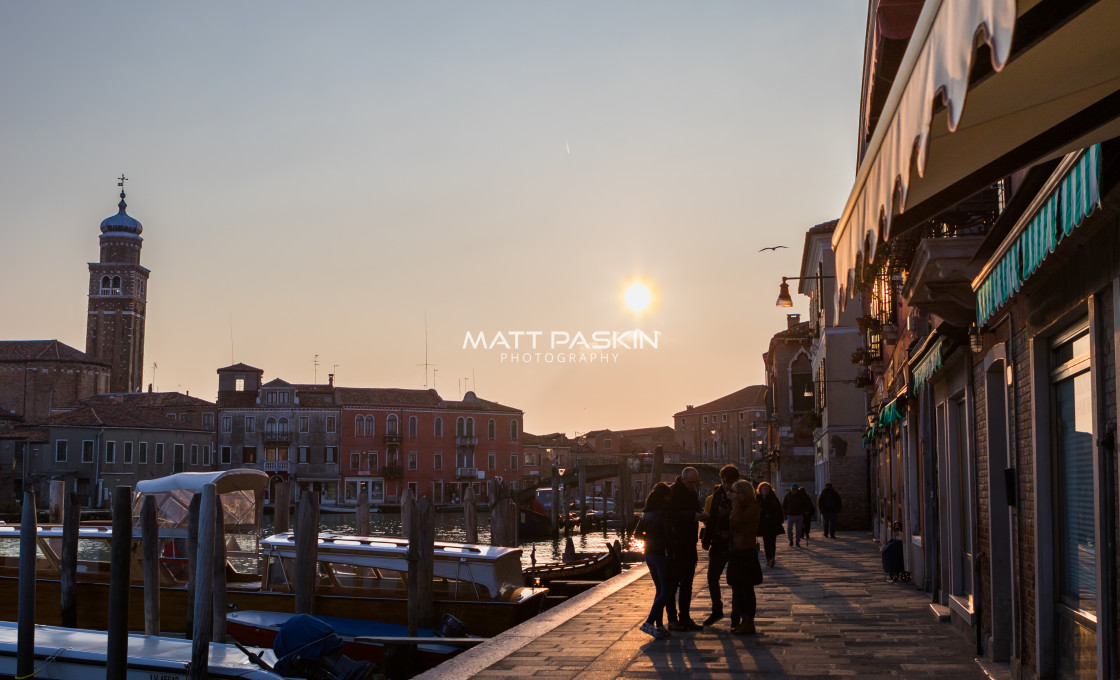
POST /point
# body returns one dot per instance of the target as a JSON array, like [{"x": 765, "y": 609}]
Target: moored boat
[{"x": 598, "y": 567}]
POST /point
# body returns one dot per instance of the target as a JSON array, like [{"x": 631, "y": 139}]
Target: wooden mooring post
[
  {"x": 203, "y": 575},
  {"x": 218, "y": 604},
  {"x": 421, "y": 565},
  {"x": 582, "y": 497},
  {"x": 658, "y": 465},
  {"x": 192, "y": 561},
  {"x": 408, "y": 502},
  {"x": 363, "y": 511},
  {"x": 555, "y": 502},
  {"x": 25, "y": 628},
  {"x": 625, "y": 503},
  {"x": 307, "y": 552},
  {"x": 116, "y": 653},
  {"x": 281, "y": 507},
  {"x": 470, "y": 515},
  {"x": 68, "y": 566},
  {"x": 149, "y": 543},
  {"x": 58, "y": 502}
]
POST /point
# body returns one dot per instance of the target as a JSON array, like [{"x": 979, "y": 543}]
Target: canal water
[{"x": 451, "y": 526}]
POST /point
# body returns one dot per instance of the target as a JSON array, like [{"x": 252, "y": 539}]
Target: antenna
[
  {"x": 315, "y": 379},
  {"x": 426, "y": 363},
  {"x": 434, "y": 371},
  {"x": 154, "y": 367}
]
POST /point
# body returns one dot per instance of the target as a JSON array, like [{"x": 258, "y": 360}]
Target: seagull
[
  {"x": 567, "y": 148},
  {"x": 771, "y": 248}
]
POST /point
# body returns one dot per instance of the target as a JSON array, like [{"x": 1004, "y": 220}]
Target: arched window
[
  {"x": 282, "y": 426},
  {"x": 491, "y": 430},
  {"x": 359, "y": 426},
  {"x": 460, "y": 428},
  {"x": 437, "y": 428},
  {"x": 371, "y": 429},
  {"x": 391, "y": 424},
  {"x": 513, "y": 430},
  {"x": 106, "y": 284},
  {"x": 470, "y": 427},
  {"x": 116, "y": 285},
  {"x": 413, "y": 426},
  {"x": 270, "y": 426}
]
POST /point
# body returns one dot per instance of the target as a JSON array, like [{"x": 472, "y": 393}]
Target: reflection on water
[{"x": 451, "y": 526}]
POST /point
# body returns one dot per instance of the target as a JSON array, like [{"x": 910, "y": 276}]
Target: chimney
[
  {"x": 149, "y": 388},
  {"x": 792, "y": 320},
  {"x": 330, "y": 379}
]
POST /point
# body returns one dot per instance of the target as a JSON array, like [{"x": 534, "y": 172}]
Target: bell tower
[{"x": 118, "y": 290}]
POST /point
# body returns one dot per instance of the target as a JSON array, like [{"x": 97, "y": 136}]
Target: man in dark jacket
[
  {"x": 829, "y": 504},
  {"x": 717, "y": 535},
  {"x": 795, "y": 507},
  {"x": 686, "y": 514}
]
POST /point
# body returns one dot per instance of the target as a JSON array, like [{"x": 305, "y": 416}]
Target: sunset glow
[{"x": 638, "y": 297}]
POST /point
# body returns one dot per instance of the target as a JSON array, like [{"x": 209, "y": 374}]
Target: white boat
[{"x": 76, "y": 654}]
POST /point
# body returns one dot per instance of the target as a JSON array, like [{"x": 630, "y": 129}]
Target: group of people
[{"x": 734, "y": 516}]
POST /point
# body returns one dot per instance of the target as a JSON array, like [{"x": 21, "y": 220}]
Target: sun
[{"x": 638, "y": 297}]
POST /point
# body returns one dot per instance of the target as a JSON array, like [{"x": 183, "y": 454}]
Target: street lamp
[{"x": 784, "y": 299}]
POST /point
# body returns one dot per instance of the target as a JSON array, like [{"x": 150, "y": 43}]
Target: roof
[
  {"x": 387, "y": 396},
  {"x": 753, "y": 396},
  {"x": 42, "y": 350},
  {"x": 277, "y": 382},
  {"x": 240, "y": 367},
  {"x": 121, "y": 416},
  {"x": 471, "y": 402},
  {"x": 121, "y": 224},
  {"x": 150, "y": 400},
  {"x": 36, "y": 435}
]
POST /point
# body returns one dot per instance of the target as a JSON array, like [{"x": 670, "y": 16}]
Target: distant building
[
  {"x": 791, "y": 417},
  {"x": 37, "y": 376},
  {"x": 174, "y": 406},
  {"x": 731, "y": 429}
]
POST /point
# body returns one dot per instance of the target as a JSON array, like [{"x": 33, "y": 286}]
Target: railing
[
  {"x": 278, "y": 436},
  {"x": 466, "y": 472},
  {"x": 466, "y": 441},
  {"x": 276, "y": 466},
  {"x": 392, "y": 437}
]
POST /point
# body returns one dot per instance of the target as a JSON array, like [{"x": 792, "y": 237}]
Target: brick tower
[{"x": 118, "y": 288}]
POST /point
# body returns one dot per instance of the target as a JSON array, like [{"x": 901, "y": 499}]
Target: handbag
[{"x": 745, "y": 569}]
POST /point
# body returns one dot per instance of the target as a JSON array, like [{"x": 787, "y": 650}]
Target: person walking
[
  {"x": 654, "y": 528},
  {"x": 716, "y": 540},
  {"x": 770, "y": 520},
  {"x": 794, "y": 507},
  {"x": 829, "y": 503},
  {"x": 744, "y": 572},
  {"x": 810, "y": 513},
  {"x": 685, "y": 517}
]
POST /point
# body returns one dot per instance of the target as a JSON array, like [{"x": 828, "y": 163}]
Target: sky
[{"x": 370, "y": 183}]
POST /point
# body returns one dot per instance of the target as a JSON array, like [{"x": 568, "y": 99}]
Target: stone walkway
[{"x": 825, "y": 610}]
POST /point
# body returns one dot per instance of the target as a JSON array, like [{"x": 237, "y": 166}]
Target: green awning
[
  {"x": 929, "y": 364},
  {"x": 893, "y": 412}
]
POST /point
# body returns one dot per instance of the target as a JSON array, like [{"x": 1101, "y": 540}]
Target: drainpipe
[
  {"x": 97, "y": 464},
  {"x": 977, "y": 554}
]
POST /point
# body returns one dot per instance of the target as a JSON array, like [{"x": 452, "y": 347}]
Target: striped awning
[
  {"x": 1071, "y": 193},
  {"x": 929, "y": 364}
]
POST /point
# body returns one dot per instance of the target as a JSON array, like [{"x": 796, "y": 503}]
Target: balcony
[
  {"x": 392, "y": 437},
  {"x": 277, "y": 466},
  {"x": 278, "y": 437},
  {"x": 466, "y": 441},
  {"x": 466, "y": 472},
  {"x": 940, "y": 280}
]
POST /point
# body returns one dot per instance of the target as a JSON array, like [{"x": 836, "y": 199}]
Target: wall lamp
[{"x": 784, "y": 299}]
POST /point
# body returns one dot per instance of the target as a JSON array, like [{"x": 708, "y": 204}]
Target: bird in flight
[{"x": 771, "y": 248}]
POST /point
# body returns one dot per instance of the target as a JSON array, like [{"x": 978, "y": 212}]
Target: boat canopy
[{"x": 240, "y": 491}]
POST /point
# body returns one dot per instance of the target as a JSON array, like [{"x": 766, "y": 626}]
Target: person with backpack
[{"x": 829, "y": 503}]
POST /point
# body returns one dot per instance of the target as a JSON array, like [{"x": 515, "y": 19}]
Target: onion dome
[{"x": 121, "y": 223}]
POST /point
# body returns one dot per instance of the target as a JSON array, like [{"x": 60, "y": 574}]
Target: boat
[
  {"x": 362, "y": 640},
  {"x": 533, "y": 522},
  {"x": 70, "y": 654},
  {"x": 597, "y": 567},
  {"x": 362, "y": 577}
]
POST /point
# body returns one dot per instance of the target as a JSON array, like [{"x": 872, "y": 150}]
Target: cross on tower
[{"x": 122, "y": 179}]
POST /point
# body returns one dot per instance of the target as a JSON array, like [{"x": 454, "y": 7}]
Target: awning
[
  {"x": 1058, "y": 90},
  {"x": 929, "y": 363}
]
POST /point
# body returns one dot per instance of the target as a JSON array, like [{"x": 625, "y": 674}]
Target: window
[
  {"x": 227, "y": 455},
  {"x": 355, "y": 460},
  {"x": 470, "y": 427},
  {"x": 143, "y": 457},
  {"x": 227, "y": 424},
  {"x": 412, "y": 426},
  {"x": 178, "y": 457},
  {"x": 392, "y": 457},
  {"x": 460, "y": 427},
  {"x": 513, "y": 462},
  {"x": 60, "y": 451},
  {"x": 437, "y": 429},
  {"x": 186, "y": 418},
  {"x": 194, "y": 454},
  {"x": 371, "y": 430},
  {"x": 282, "y": 426},
  {"x": 304, "y": 423},
  {"x": 206, "y": 456},
  {"x": 705, "y": 420},
  {"x": 250, "y": 423},
  {"x": 110, "y": 452},
  {"x": 171, "y": 416},
  {"x": 513, "y": 430},
  {"x": 437, "y": 461},
  {"x": 208, "y": 421},
  {"x": 606, "y": 444},
  {"x": 359, "y": 426},
  {"x": 491, "y": 461},
  {"x": 270, "y": 426},
  {"x": 248, "y": 454},
  {"x": 530, "y": 459},
  {"x": 87, "y": 451},
  {"x": 740, "y": 417},
  {"x": 372, "y": 461},
  {"x": 128, "y": 453},
  {"x": 412, "y": 460},
  {"x": 391, "y": 424},
  {"x": 332, "y": 454},
  {"x": 303, "y": 457},
  {"x": 491, "y": 429},
  {"x": 725, "y": 417},
  {"x": 239, "y": 385},
  {"x": 159, "y": 453}
]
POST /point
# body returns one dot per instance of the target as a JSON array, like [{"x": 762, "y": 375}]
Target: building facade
[{"x": 731, "y": 429}]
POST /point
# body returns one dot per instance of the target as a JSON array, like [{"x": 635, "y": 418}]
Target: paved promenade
[{"x": 824, "y": 610}]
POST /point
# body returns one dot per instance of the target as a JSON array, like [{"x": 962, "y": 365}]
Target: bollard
[
  {"x": 149, "y": 538},
  {"x": 203, "y": 575},
  {"x": 68, "y": 566},
  {"x": 307, "y": 552},
  {"x": 470, "y": 513},
  {"x": 116, "y": 653},
  {"x": 25, "y": 628}
]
